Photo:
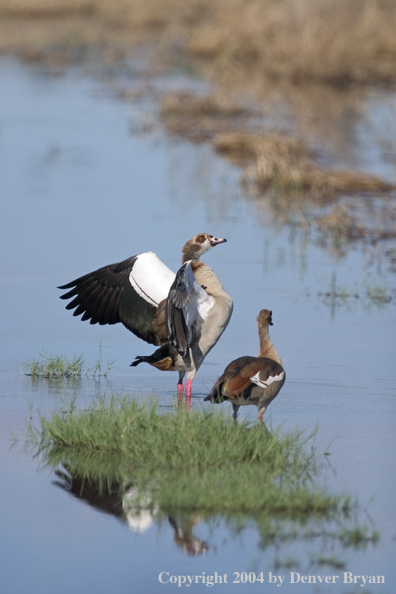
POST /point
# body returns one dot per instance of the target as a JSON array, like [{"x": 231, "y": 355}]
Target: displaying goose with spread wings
[
  {"x": 183, "y": 314},
  {"x": 252, "y": 380}
]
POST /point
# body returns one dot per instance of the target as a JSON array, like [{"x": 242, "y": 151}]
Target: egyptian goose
[
  {"x": 184, "y": 314},
  {"x": 252, "y": 380}
]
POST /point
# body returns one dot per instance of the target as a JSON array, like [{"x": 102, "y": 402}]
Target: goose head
[
  {"x": 264, "y": 319},
  {"x": 199, "y": 245}
]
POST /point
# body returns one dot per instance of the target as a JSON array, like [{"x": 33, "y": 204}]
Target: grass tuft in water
[
  {"x": 193, "y": 459},
  {"x": 56, "y": 366},
  {"x": 53, "y": 366},
  {"x": 182, "y": 467}
]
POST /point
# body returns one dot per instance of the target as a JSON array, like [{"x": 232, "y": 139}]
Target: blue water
[{"x": 79, "y": 191}]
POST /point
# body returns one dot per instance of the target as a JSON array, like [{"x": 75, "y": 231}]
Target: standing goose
[
  {"x": 183, "y": 314},
  {"x": 252, "y": 380}
]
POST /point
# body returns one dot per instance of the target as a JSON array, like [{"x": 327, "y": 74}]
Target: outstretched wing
[
  {"x": 127, "y": 292},
  {"x": 186, "y": 308},
  {"x": 97, "y": 295}
]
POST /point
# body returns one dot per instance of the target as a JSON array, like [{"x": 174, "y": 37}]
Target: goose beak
[{"x": 215, "y": 240}]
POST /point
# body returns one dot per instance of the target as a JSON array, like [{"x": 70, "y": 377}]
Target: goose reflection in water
[{"x": 129, "y": 506}]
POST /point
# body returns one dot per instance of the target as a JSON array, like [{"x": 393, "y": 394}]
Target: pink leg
[
  {"x": 188, "y": 390},
  {"x": 261, "y": 411},
  {"x": 180, "y": 387}
]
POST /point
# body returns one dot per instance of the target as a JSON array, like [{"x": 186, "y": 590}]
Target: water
[{"x": 80, "y": 191}]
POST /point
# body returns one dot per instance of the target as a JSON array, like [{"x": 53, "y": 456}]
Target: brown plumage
[{"x": 252, "y": 380}]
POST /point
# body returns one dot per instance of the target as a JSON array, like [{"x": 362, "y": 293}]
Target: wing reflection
[{"x": 132, "y": 506}]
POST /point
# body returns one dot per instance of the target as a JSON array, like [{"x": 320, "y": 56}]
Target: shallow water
[{"x": 80, "y": 191}]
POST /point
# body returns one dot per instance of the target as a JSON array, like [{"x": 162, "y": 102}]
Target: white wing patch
[
  {"x": 200, "y": 303},
  {"x": 150, "y": 278},
  {"x": 270, "y": 379}
]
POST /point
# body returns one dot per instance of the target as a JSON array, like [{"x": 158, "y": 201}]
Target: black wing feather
[{"x": 106, "y": 296}]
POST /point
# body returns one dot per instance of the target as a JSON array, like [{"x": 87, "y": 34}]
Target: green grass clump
[
  {"x": 53, "y": 366},
  {"x": 182, "y": 467},
  {"x": 192, "y": 459},
  {"x": 56, "y": 366}
]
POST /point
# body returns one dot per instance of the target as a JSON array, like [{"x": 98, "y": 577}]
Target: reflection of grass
[
  {"x": 331, "y": 561},
  {"x": 337, "y": 229},
  {"x": 196, "y": 459},
  {"x": 244, "y": 489},
  {"x": 377, "y": 293},
  {"x": 336, "y": 295}
]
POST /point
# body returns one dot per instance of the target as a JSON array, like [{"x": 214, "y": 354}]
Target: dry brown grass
[
  {"x": 338, "y": 228},
  {"x": 339, "y": 41},
  {"x": 268, "y": 161},
  {"x": 285, "y": 164},
  {"x": 200, "y": 118},
  {"x": 241, "y": 45},
  {"x": 278, "y": 171}
]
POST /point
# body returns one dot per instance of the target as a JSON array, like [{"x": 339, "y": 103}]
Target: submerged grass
[
  {"x": 337, "y": 295},
  {"x": 193, "y": 459}
]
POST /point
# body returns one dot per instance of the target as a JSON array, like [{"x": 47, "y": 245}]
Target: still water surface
[{"x": 80, "y": 191}]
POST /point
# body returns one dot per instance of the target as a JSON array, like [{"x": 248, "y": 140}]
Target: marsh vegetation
[
  {"x": 194, "y": 459},
  {"x": 338, "y": 43},
  {"x": 310, "y": 167},
  {"x": 313, "y": 56},
  {"x": 146, "y": 464},
  {"x": 54, "y": 366}
]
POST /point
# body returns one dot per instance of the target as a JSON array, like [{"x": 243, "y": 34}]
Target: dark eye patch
[{"x": 200, "y": 238}]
